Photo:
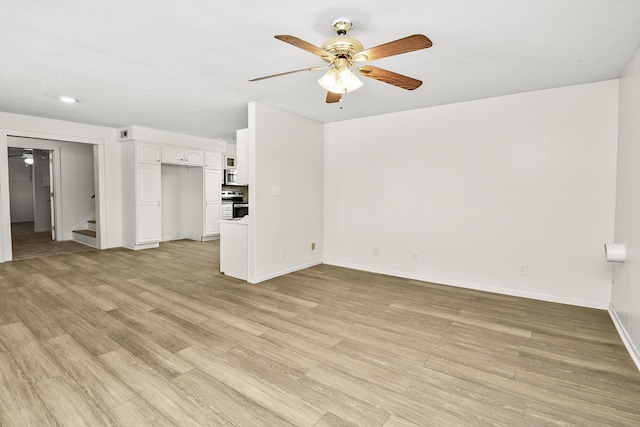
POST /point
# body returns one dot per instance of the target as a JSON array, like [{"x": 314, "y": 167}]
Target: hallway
[{"x": 28, "y": 244}]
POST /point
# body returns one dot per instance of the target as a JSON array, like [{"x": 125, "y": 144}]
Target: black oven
[{"x": 240, "y": 209}]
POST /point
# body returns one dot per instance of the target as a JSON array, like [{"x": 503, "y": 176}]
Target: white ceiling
[{"x": 184, "y": 65}]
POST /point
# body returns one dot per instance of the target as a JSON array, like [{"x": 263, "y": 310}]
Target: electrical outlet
[
  {"x": 313, "y": 246},
  {"x": 414, "y": 256},
  {"x": 375, "y": 251},
  {"x": 522, "y": 269},
  {"x": 281, "y": 253}
]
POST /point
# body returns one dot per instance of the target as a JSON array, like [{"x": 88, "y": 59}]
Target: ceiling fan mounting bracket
[{"x": 342, "y": 25}]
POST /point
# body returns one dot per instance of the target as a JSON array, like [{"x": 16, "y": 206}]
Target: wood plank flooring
[
  {"x": 159, "y": 337},
  {"x": 25, "y": 243}
]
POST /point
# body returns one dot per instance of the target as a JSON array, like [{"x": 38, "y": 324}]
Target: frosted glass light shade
[{"x": 340, "y": 80}]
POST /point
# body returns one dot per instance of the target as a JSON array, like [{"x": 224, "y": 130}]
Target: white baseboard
[
  {"x": 283, "y": 272},
  {"x": 135, "y": 247},
  {"x": 626, "y": 339},
  {"x": 477, "y": 286}
]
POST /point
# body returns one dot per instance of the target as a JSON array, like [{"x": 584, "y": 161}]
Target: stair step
[
  {"x": 91, "y": 224},
  {"x": 86, "y": 237},
  {"x": 90, "y": 233}
]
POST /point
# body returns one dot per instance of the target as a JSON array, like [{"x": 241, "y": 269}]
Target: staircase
[{"x": 86, "y": 236}]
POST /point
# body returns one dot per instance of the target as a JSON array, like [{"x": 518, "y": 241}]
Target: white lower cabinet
[
  {"x": 234, "y": 248},
  {"x": 212, "y": 206},
  {"x": 148, "y": 203},
  {"x": 211, "y": 218}
]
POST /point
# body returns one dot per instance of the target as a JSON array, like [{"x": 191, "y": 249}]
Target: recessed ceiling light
[{"x": 67, "y": 99}]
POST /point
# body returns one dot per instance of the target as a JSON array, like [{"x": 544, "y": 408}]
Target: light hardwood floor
[
  {"x": 26, "y": 243},
  {"x": 159, "y": 337}
]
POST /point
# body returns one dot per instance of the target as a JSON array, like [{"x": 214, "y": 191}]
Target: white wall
[
  {"x": 625, "y": 295},
  {"x": 478, "y": 188},
  {"x": 285, "y": 151}
]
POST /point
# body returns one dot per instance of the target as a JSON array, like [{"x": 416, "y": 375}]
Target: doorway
[{"x": 35, "y": 190}]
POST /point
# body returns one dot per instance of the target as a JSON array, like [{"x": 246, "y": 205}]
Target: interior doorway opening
[{"x": 47, "y": 203}]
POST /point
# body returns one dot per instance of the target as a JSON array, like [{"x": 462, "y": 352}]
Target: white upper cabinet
[
  {"x": 172, "y": 154},
  {"x": 182, "y": 156},
  {"x": 147, "y": 152},
  {"x": 193, "y": 157},
  {"x": 212, "y": 160}
]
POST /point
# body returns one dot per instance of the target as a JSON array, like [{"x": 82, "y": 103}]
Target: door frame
[{"x": 99, "y": 176}]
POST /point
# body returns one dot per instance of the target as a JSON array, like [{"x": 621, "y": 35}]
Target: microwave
[
  {"x": 229, "y": 162},
  {"x": 230, "y": 177}
]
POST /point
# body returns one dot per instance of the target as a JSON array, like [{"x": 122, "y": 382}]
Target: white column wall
[
  {"x": 285, "y": 157},
  {"x": 625, "y": 295}
]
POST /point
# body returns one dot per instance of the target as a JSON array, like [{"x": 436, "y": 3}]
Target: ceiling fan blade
[
  {"x": 333, "y": 97},
  {"x": 289, "y": 72},
  {"x": 390, "y": 77},
  {"x": 295, "y": 41},
  {"x": 396, "y": 47}
]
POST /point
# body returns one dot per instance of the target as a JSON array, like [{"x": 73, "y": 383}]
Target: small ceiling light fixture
[
  {"x": 340, "y": 78},
  {"x": 28, "y": 158},
  {"x": 67, "y": 99}
]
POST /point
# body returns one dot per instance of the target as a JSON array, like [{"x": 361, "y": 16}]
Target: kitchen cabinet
[
  {"x": 242, "y": 156},
  {"x": 147, "y": 152},
  {"x": 234, "y": 247},
  {"x": 193, "y": 179},
  {"x": 213, "y": 160},
  {"x": 227, "y": 210},
  {"x": 141, "y": 194},
  {"x": 212, "y": 202},
  {"x": 182, "y": 156},
  {"x": 148, "y": 196}
]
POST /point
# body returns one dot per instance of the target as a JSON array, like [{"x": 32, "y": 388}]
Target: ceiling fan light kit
[
  {"x": 340, "y": 79},
  {"x": 341, "y": 52}
]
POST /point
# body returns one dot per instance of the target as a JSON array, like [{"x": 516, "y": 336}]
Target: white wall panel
[{"x": 478, "y": 188}]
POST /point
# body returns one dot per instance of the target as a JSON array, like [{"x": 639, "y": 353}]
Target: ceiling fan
[
  {"x": 26, "y": 154},
  {"x": 343, "y": 52}
]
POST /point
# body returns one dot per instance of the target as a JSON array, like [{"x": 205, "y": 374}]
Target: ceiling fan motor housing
[{"x": 342, "y": 46}]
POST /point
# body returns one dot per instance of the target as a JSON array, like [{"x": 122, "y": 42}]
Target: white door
[
  {"x": 148, "y": 191},
  {"x": 211, "y": 202}
]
